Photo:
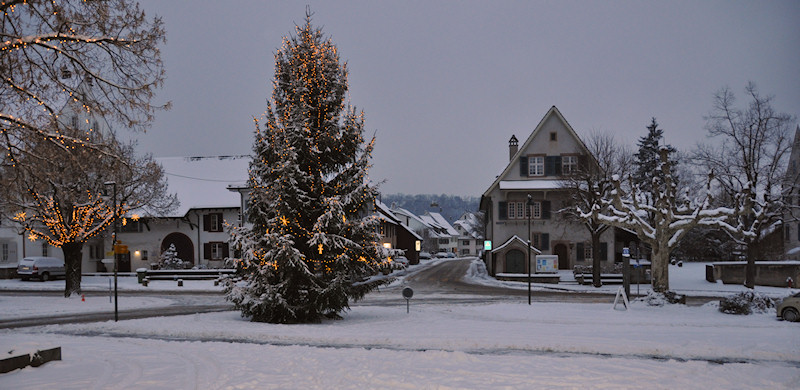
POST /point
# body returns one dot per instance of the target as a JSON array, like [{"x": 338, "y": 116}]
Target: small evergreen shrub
[
  {"x": 747, "y": 302},
  {"x": 660, "y": 299}
]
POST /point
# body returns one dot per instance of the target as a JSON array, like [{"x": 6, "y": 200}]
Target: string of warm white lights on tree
[{"x": 312, "y": 244}]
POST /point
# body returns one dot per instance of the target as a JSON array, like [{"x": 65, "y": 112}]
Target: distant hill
[{"x": 450, "y": 206}]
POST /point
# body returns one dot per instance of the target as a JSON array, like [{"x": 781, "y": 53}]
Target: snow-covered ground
[{"x": 499, "y": 345}]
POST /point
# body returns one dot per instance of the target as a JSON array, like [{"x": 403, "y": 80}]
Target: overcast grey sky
[{"x": 446, "y": 83}]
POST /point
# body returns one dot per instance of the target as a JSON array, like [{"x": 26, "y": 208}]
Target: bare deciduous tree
[
  {"x": 56, "y": 195},
  {"x": 101, "y": 56},
  {"x": 592, "y": 182},
  {"x": 94, "y": 60},
  {"x": 660, "y": 217},
  {"x": 749, "y": 162}
]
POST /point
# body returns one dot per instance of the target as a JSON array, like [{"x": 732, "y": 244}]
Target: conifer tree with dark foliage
[
  {"x": 311, "y": 244},
  {"x": 647, "y": 159}
]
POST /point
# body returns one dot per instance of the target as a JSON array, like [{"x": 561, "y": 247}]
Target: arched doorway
[
  {"x": 183, "y": 245},
  {"x": 515, "y": 262},
  {"x": 560, "y": 250}
]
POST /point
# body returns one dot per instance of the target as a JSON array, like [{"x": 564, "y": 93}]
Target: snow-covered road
[
  {"x": 467, "y": 343},
  {"x": 547, "y": 345}
]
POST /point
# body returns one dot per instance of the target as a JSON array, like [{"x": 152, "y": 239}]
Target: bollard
[
  {"x": 145, "y": 281},
  {"x": 180, "y": 282}
]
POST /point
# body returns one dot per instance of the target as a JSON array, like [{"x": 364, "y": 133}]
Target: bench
[
  {"x": 188, "y": 274},
  {"x": 587, "y": 278}
]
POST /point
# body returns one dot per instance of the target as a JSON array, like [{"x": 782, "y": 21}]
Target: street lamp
[
  {"x": 113, "y": 184},
  {"x": 529, "y": 205}
]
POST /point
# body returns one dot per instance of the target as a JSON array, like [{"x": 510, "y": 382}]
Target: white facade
[
  {"x": 536, "y": 169},
  {"x": 197, "y": 227}
]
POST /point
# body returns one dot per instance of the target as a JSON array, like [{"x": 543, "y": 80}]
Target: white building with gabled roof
[
  {"x": 470, "y": 234},
  {"x": 537, "y": 168},
  {"x": 197, "y": 226}
]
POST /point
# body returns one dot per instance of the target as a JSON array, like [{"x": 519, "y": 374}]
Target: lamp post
[
  {"x": 529, "y": 204},
  {"x": 113, "y": 184}
]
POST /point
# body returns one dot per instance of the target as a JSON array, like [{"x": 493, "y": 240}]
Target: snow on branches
[
  {"x": 659, "y": 217},
  {"x": 311, "y": 244}
]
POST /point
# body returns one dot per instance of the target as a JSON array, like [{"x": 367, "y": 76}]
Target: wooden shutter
[
  {"x": 583, "y": 162},
  {"x": 557, "y": 165},
  {"x": 206, "y": 222},
  {"x": 225, "y": 250},
  {"x": 549, "y": 166},
  {"x": 523, "y": 166},
  {"x": 603, "y": 251},
  {"x": 545, "y": 242},
  {"x": 546, "y": 209},
  {"x": 581, "y": 251},
  {"x": 207, "y": 250},
  {"x": 552, "y": 166},
  {"x": 503, "y": 210}
]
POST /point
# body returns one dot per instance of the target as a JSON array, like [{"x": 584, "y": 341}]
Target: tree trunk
[
  {"x": 660, "y": 268},
  {"x": 750, "y": 268},
  {"x": 73, "y": 257},
  {"x": 596, "y": 260}
]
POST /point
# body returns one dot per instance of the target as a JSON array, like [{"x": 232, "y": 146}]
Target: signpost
[
  {"x": 626, "y": 270},
  {"x": 407, "y": 294}
]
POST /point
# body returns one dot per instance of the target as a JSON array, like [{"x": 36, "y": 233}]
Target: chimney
[{"x": 513, "y": 146}]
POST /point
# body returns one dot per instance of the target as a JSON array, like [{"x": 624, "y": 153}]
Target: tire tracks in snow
[{"x": 795, "y": 363}]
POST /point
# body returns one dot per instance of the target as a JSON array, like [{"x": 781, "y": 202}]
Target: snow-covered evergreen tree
[
  {"x": 647, "y": 160},
  {"x": 169, "y": 259},
  {"x": 311, "y": 245}
]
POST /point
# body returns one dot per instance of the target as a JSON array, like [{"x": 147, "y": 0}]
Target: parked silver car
[
  {"x": 42, "y": 268},
  {"x": 789, "y": 308}
]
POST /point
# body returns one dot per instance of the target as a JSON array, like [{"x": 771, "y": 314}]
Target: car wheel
[
  {"x": 45, "y": 277},
  {"x": 791, "y": 315}
]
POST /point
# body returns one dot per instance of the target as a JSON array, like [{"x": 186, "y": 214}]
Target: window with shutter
[
  {"x": 545, "y": 241},
  {"x": 579, "y": 251},
  {"x": 536, "y": 166},
  {"x": 212, "y": 222},
  {"x": 569, "y": 164},
  {"x": 523, "y": 166},
  {"x": 502, "y": 212},
  {"x": 546, "y": 209}
]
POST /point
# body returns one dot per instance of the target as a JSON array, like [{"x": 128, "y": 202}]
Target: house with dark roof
[{"x": 536, "y": 168}]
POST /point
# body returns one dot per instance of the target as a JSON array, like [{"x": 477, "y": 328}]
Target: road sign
[{"x": 407, "y": 294}]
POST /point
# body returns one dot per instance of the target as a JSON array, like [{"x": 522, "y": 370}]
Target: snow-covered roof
[
  {"x": 202, "y": 182},
  {"x": 391, "y": 218},
  {"x": 409, "y": 215},
  {"x": 521, "y": 241},
  {"x": 436, "y": 230},
  {"x": 538, "y": 184},
  {"x": 441, "y": 221},
  {"x": 467, "y": 223}
]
